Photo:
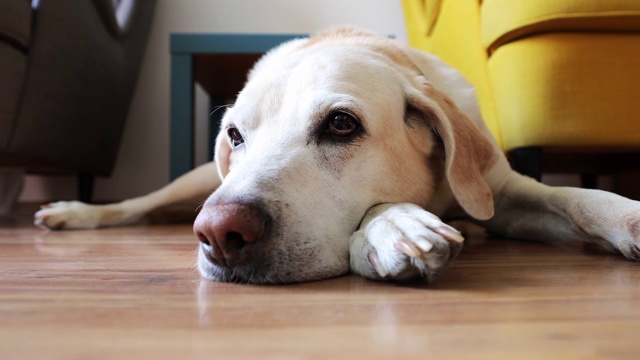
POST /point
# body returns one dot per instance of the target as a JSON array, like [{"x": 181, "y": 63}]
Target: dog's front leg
[
  {"x": 402, "y": 242},
  {"x": 196, "y": 184}
]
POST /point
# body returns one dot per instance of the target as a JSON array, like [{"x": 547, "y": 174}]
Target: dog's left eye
[
  {"x": 235, "y": 136},
  {"x": 342, "y": 124}
]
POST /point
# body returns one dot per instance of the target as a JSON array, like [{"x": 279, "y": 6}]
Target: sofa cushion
[
  {"x": 503, "y": 21},
  {"x": 15, "y": 22}
]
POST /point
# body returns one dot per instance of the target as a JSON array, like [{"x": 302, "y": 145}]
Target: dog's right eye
[{"x": 235, "y": 136}]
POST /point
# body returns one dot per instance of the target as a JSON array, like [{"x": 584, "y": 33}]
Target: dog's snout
[{"x": 229, "y": 230}]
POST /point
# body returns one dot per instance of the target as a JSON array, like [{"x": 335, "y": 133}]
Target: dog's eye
[
  {"x": 235, "y": 136},
  {"x": 342, "y": 124}
]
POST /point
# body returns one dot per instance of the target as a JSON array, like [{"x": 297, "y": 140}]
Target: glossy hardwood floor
[{"x": 133, "y": 293}]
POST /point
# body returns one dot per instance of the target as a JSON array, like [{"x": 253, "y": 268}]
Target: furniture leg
[
  {"x": 589, "y": 181},
  {"x": 85, "y": 187},
  {"x": 527, "y": 161},
  {"x": 10, "y": 186}
]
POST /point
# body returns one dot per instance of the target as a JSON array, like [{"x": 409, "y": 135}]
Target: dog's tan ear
[
  {"x": 469, "y": 154},
  {"x": 222, "y": 154}
]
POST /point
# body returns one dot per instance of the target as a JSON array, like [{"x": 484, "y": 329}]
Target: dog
[{"x": 342, "y": 153}]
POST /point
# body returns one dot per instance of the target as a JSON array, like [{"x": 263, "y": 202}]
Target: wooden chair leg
[
  {"x": 85, "y": 187},
  {"x": 527, "y": 161}
]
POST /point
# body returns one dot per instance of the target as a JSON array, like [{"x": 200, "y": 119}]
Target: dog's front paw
[
  {"x": 66, "y": 215},
  {"x": 402, "y": 242}
]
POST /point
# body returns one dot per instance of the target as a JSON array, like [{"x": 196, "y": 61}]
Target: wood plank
[{"x": 134, "y": 293}]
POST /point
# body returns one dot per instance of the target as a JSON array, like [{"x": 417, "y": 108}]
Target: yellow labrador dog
[{"x": 343, "y": 153}]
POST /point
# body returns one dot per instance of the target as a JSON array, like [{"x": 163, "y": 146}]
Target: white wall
[{"x": 143, "y": 160}]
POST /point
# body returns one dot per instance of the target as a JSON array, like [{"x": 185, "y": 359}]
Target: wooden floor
[{"x": 133, "y": 293}]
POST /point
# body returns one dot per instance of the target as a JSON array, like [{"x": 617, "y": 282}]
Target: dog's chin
[{"x": 264, "y": 272}]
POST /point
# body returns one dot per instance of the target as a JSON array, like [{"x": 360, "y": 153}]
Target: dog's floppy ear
[
  {"x": 469, "y": 154},
  {"x": 222, "y": 154}
]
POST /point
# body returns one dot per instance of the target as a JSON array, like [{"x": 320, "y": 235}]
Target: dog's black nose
[{"x": 229, "y": 230}]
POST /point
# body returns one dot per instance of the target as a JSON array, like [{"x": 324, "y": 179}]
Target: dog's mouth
[
  {"x": 236, "y": 260},
  {"x": 208, "y": 250},
  {"x": 270, "y": 266},
  {"x": 247, "y": 271}
]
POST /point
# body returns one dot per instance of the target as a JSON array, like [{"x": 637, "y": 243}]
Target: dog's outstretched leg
[
  {"x": 402, "y": 242},
  {"x": 198, "y": 183},
  {"x": 526, "y": 209}
]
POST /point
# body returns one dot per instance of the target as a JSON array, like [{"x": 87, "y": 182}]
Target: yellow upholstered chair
[{"x": 558, "y": 80}]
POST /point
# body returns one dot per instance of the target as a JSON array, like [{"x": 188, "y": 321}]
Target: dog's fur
[{"x": 369, "y": 202}]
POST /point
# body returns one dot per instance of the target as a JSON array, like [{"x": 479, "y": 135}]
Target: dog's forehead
[
  {"x": 345, "y": 68},
  {"x": 312, "y": 78}
]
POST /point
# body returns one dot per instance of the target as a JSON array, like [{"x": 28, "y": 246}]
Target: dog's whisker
[
  {"x": 199, "y": 207},
  {"x": 220, "y": 107}
]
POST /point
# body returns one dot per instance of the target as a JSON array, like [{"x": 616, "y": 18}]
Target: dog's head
[{"x": 326, "y": 128}]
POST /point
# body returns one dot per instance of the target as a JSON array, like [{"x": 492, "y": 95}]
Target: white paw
[
  {"x": 67, "y": 215},
  {"x": 402, "y": 242}
]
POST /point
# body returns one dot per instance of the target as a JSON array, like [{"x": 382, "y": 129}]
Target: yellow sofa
[{"x": 558, "y": 81}]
